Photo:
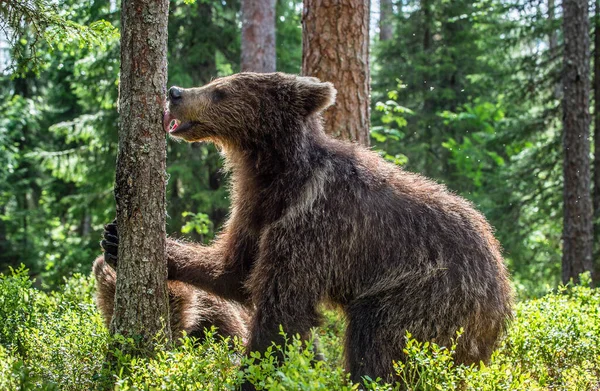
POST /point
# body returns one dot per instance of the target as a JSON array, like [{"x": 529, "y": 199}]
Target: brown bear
[
  {"x": 314, "y": 220},
  {"x": 191, "y": 309}
]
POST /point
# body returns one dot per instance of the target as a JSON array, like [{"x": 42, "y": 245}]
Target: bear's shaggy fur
[
  {"x": 191, "y": 309},
  {"x": 314, "y": 220}
]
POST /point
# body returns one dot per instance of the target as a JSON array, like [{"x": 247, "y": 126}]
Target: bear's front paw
[{"x": 110, "y": 243}]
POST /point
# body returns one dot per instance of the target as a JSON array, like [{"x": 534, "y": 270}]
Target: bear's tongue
[{"x": 169, "y": 122}]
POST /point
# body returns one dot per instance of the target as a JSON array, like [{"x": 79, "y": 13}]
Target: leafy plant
[{"x": 58, "y": 341}]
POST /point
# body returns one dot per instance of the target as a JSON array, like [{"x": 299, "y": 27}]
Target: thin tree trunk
[
  {"x": 141, "y": 301},
  {"x": 553, "y": 43},
  {"x": 386, "y": 13},
  {"x": 6, "y": 258},
  {"x": 258, "y": 36},
  {"x": 577, "y": 230},
  {"x": 335, "y": 48},
  {"x": 597, "y": 133},
  {"x": 427, "y": 43},
  {"x": 427, "y": 22},
  {"x": 552, "y": 36}
]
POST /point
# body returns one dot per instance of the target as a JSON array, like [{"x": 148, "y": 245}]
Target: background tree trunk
[
  {"x": 141, "y": 300},
  {"x": 386, "y": 13},
  {"x": 428, "y": 104},
  {"x": 258, "y": 36},
  {"x": 596, "y": 196},
  {"x": 553, "y": 35},
  {"x": 335, "y": 48},
  {"x": 427, "y": 22},
  {"x": 577, "y": 229},
  {"x": 553, "y": 44}
]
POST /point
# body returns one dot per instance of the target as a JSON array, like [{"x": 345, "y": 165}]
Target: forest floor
[{"x": 57, "y": 341}]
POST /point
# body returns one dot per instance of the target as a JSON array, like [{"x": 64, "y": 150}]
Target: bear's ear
[{"x": 313, "y": 95}]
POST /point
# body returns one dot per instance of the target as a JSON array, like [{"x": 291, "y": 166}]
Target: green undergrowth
[{"x": 57, "y": 341}]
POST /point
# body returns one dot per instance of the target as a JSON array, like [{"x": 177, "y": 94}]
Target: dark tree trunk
[
  {"x": 428, "y": 104},
  {"x": 335, "y": 48},
  {"x": 386, "y": 20},
  {"x": 577, "y": 230},
  {"x": 597, "y": 134},
  {"x": 427, "y": 22},
  {"x": 141, "y": 301},
  {"x": 202, "y": 71},
  {"x": 258, "y": 36}
]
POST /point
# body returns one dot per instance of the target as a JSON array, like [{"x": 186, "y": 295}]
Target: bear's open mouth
[{"x": 173, "y": 125}]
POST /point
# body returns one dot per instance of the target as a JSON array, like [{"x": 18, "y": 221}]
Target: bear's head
[{"x": 245, "y": 106}]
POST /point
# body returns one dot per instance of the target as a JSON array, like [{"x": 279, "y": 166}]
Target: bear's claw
[{"x": 110, "y": 243}]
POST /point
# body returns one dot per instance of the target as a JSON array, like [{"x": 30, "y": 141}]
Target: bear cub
[{"x": 191, "y": 309}]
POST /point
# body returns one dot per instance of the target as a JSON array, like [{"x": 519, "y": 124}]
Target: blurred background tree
[{"x": 466, "y": 92}]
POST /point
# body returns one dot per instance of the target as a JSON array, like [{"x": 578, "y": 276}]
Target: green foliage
[
  {"x": 288, "y": 35},
  {"x": 51, "y": 341},
  {"x": 58, "y": 139},
  {"x": 473, "y": 153},
  {"x": 192, "y": 366},
  {"x": 17, "y": 307},
  {"x": 199, "y": 223},
  {"x": 560, "y": 348},
  {"x": 46, "y": 24},
  {"x": 387, "y": 136},
  {"x": 10, "y": 374},
  {"x": 481, "y": 79},
  {"x": 299, "y": 369},
  {"x": 58, "y": 341},
  {"x": 465, "y": 92},
  {"x": 429, "y": 366}
]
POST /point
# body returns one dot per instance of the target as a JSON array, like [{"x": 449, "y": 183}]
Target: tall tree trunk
[
  {"x": 258, "y": 36},
  {"x": 386, "y": 20},
  {"x": 335, "y": 48},
  {"x": 427, "y": 43},
  {"x": 553, "y": 44},
  {"x": 427, "y": 22},
  {"x": 552, "y": 36},
  {"x": 597, "y": 134},
  {"x": 577, "y": 229},
  {"x": 141, "y": 300}
]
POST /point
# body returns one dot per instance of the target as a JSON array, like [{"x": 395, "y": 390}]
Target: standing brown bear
[{"x": 314, "y": 219}]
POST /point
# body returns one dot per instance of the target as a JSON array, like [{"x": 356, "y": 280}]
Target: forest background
[{"x": 466, "y": 92}]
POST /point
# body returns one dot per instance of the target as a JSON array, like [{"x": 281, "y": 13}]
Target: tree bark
[
  {"x": 258, "y": 36},
  {"x": 335, "y": 48},
  {"x": 596, "y": 195},
  {"x": 577, "y": 229},
  {"x": 141, "y": 300},
  {"x": 386, "y": 13}
]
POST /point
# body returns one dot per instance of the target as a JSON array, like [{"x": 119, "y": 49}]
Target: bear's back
[{"x": 370, "y": 216}]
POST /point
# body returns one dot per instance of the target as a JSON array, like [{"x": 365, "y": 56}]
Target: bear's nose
[{"x": 174, "y": 94}]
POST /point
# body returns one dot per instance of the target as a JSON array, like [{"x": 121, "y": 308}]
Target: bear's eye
[{"x": 218, "y": 95}]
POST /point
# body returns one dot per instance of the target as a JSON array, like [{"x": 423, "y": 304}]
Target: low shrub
[{"x": 57, "y": 341}]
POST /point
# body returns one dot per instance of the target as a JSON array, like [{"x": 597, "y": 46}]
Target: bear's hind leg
[
  {"x": 373, "y": 341},
  {"x": 106, "y": 280}
]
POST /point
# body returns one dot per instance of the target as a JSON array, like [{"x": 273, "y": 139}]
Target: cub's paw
[{"x": 110, "y": 243}]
